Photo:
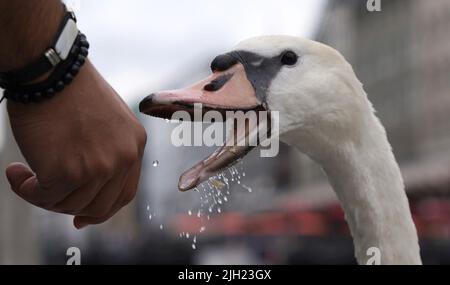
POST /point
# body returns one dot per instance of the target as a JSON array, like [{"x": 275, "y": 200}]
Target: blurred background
[{"x": 279, "y": 210}]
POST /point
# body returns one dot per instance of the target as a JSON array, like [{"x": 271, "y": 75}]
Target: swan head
[{"x": 310, "y": 85}]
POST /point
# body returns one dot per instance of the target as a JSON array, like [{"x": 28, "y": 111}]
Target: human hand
[{"x": 84, "y": 148}]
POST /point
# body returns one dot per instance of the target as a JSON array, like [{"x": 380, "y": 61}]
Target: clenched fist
[{"x": 84, "y": 148}]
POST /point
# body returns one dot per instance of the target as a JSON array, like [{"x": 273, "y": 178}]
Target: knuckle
[
  {"x": 141, "y": 136},
  {"x": 128, "y": 157},
  {"x": 72, "y": 177},
  {"x": 101, "y": 169}
]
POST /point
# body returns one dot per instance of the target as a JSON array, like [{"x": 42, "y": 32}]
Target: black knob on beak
[{"x": 146, "y": 102}]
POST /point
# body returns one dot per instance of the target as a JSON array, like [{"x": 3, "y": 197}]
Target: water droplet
[
  {"x": 148, "y": 207},
  {"x": 161, "y": 227},
  {"x": 202, "y": 229},
  {"x": 150, "y": 216},
  {"x": 225, "y": 199},
  {"x": 167, "y": 120},
  {"x": 243, "y": 174},
  {"x": 193, "y": 246},
  {"x": 210, "y": 209},
  {"x": 194, "y": 239},
  {"x": 208, "y": 217},
  {"x": 239, "y": 182},
  {"x": 187, "y": 235},
  {"x": 199, "y": 214},
  {"x": 190, "y": 213},
  {"x": 219, "y": 210},
  {"x": 220, "y": 201},
  {"x": 249, "y": 189},
  {"x": 155, "y": 163}
]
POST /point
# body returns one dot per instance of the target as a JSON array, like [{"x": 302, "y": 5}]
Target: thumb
[{"x": 22, "y": 180}]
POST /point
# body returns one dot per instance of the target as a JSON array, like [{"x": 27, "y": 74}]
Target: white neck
[{"x": 369, "y": 185}]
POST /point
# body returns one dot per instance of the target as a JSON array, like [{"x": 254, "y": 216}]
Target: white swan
[{"x": 324, "y": 113}]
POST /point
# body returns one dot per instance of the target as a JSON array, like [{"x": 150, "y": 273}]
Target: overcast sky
[{"x": 140, "y": 44}]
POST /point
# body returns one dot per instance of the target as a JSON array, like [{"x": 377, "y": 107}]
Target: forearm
[{"x": 27, "y": 28}]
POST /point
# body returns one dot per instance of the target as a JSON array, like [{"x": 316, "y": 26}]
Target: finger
[
  {"x": 104, "y": 200},
  {"x": 127, "y": 195},
  {"x": 26, "y": 185},
  {"x": 79, "y": 199},
  {"x": 17, "y": 173}
]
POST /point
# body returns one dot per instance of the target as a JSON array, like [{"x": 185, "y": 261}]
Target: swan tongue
[
  {"x": 236, "y": 145},
  {"x": 240, "y": 141},
  {"x": 223, "y": 157}
]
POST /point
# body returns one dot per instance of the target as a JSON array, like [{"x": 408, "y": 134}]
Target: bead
[
  {"x": 84, "y": 44},
  {"x": 49, "y": 93},
  {"x": 75, "y": 69},
  {"x": 84, "y": 51},
  {"x": 37, "y": 97},
  {"x": 24, "y": 98},
  {"x": 59, "y": 86},
  {"x": 67, "y": 78},
  {"x": 80, "y": 59}
]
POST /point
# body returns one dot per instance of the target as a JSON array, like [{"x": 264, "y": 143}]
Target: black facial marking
[
  {"x": 260, "y": 70},
  {"x": 217, "y": 83},
  {"x": 223, "y": 62}
]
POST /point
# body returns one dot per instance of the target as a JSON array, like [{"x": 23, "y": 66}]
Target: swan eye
[{"x": 289, "y": 58}]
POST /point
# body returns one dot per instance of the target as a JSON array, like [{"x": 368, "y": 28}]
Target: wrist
[{"x": 66, "y": 100}]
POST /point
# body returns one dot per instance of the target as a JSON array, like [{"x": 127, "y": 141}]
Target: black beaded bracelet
[{"x": 62, "y": 76}]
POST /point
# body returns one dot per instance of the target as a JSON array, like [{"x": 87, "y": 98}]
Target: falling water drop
[
  {"x": 202, "y": 229},
  {"x": 150, "y": 216},
  {"x": 219, "y": 210},
  {"x": 193, "y": 246},
  {"x": 199, "y": 214},
  {"x": 249, "y": 189},
  {"x": 148, "y": 207},
  {"x": 225, "y": 198},
  {"x": 194, "y": 239},
  {"x": 155, "y": 163},
  {"x": 161, "y": 227},
  {"x": 187, "y": 235},
  {"x": 190, "y": 213}
]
